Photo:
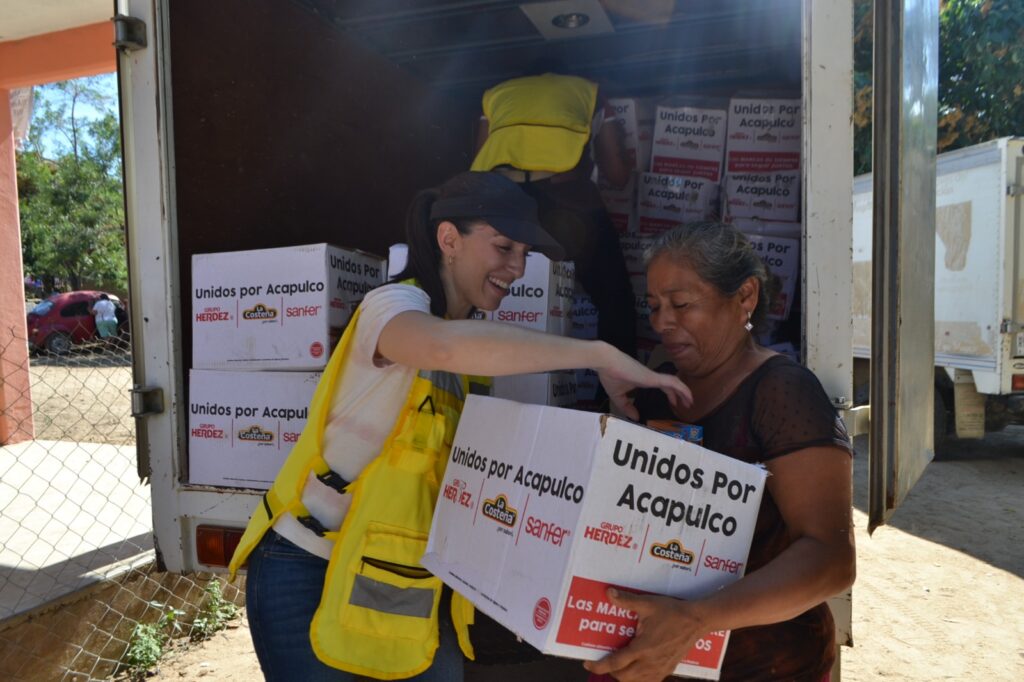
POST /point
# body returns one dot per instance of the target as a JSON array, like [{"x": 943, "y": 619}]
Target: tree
[
  {"x": 72, "y": 208},
  {"x": 981, "y": 74}
]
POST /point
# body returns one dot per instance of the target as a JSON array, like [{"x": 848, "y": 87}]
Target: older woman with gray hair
[{"x": 706, "y": 292}]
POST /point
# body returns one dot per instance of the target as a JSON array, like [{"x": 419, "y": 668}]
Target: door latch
[
  {"x": 129, "y": 33},
  {"x": 147, "y": 401}
]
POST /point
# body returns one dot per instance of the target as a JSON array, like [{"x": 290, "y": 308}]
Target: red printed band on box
[
  {"x": 690, "y": 168},
  {"x": 620, "y": 221},
  {"x": 590, "y": 620},
  {"x": 752, "y": 162},
  {"x": 656, "y": 225}
]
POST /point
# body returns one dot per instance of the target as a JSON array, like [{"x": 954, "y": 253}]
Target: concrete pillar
[{"x": 15, "y": 397}]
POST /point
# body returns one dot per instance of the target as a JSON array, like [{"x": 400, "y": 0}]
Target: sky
[{"x": 107, "y": 84}]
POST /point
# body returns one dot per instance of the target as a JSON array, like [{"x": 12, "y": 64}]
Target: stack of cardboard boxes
[
  {"x": 264, "y": 323},
  {"x": 542, "y": 300},
  {"x": 697, "y": 159}
]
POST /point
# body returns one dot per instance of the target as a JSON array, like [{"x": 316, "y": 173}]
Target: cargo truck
[
  {"x": 979, "y": 293},
  {"x": 251, "y": 124}
]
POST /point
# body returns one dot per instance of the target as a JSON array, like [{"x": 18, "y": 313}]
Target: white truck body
[{"x": 979, "y": 284}]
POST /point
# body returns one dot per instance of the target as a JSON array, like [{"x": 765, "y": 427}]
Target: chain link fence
[{"x": 80, "y": 595}]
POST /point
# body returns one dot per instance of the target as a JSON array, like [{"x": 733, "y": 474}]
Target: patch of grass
[{"x": 146, "y": 646}]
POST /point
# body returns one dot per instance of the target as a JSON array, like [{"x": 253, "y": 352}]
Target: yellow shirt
[{"x": 537, "y": 123}]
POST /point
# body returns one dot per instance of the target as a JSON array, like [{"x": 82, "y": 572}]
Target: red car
[{"x": 63, "y": 320}]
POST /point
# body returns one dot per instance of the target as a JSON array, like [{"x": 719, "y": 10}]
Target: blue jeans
[{"x": 282, "y": 593}]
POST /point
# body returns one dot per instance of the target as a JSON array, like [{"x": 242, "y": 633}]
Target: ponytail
[{"x": 424, "y": 259}]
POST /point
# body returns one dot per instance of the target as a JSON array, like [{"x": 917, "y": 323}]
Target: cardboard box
[
  {"x": 242, "y": 425},
  {"x": 764, "y": 135},
  {"x": 782, "y": 257},
  {"x": 769, "y": 196},
  {"x": 276, "y": 308},
  {"x": 664, "y": 201},
  {"x": 621, "y": 206},
  {"x": 769, "y": 228},
  {"x": 542, "y": 299},
  {"x": 543, "y": 388},
  {"x": 689, "y": 141},
  {"x": 541, "y": 509},
  {"x": 643, "y": 311},
  {"x": 636, "y": 118},
  {"x": 584, "y": 326},
  {"x": 633, "y": 249}
]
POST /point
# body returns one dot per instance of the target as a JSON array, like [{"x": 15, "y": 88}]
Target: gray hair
[{"x": 720, "y": 255}]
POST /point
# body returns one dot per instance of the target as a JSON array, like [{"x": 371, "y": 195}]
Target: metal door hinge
[
  {"x": 1009, "y": 327},
  {"x": 129, "y": 33},
  {"x": 1014, "y": 190},
  {"x": 147, "y": 401}
]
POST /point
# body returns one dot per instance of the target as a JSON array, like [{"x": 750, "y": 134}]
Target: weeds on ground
[
  {"x": 216, "y": 613},
  {"x": 146, "y": 646},
  {"x": 150, "y": 641}
]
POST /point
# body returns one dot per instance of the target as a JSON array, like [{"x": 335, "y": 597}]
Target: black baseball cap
[{"x": 507, "y": 208}]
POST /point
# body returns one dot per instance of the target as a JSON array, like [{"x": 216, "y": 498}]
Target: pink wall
[
  {"x": 15, "y": 399},
  {"x": 83, "y": 51},
  {"x": 76, "y": 52}
]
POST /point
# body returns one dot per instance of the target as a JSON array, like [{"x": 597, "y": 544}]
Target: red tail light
[{"x": 216, "y": 544}]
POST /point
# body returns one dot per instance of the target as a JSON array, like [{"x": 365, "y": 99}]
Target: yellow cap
[{"x": 537, "y": 123}]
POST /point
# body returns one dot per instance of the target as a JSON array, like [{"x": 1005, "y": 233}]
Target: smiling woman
[{"x": 345, "y": 523}]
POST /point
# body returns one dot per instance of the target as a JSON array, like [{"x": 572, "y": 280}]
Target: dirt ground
[
  {"x": 939, "y": 593},
  {"x": 83, "y": 397}
]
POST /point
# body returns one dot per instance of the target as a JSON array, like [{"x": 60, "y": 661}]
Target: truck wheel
[{"x": 58, "y": 343}]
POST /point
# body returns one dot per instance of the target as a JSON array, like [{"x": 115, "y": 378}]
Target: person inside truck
[
  {"x": 537, "y": 130},
  {"x": 706, "y": 291},
  {"x": 335, "y": 587}
]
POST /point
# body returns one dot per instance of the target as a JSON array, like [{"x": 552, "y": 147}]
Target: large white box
[
  {"x": 782, "y": 257},
  {"x": 276, "y": 309},
  {"x": 689, "y": 141},
  {"x": 665, "y": 201},
  {"x": 557, "y": 389},
  {"x": 771, "y": 196},
  {"x": 242, "y": 425},
  {"x": 542, "y": 509},
  {"x": 542, "y": 299},
  {"x": 764, "y": 135},
  {"x": 584, "y": 326}
]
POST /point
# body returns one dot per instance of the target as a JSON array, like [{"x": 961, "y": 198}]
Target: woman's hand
[
  {"x": 621, "y": 374},
  {"x": 666, "y": 631}
]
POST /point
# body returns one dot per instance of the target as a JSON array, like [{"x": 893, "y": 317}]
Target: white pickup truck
[{"x": 979, "y": 288}]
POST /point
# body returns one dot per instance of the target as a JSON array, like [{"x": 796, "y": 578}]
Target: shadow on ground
[{"x": 972, "y": 494}]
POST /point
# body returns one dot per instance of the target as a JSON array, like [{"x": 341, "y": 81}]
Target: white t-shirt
[
  {"x": 366, "y": 403},
  {"x": 104, "y": 310}
]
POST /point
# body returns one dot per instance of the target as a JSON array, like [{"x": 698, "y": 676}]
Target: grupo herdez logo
[
  {"x": 260, "y": 312},
  {"x": 673, "y": 550},
  {"x": 256, "y": 434},
  {"x": 500, "y": 510}
]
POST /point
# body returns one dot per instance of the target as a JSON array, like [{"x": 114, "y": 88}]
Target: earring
[
  {"x": 451, "y": 260},
  {"x": 748, "y": 326}
]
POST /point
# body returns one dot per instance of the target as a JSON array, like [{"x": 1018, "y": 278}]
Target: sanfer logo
[
  {"x": 499, "y": 510},
  {"x": 673, "y": 550},
  {"x": 260, "y": 312},
  {"x": 256, "y": 434}
]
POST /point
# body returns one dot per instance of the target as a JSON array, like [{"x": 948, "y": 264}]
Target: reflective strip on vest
[{"x": 400, "y": 601}]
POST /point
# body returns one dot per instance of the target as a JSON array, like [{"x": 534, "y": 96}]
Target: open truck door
[{"x": 901, "y": 440}]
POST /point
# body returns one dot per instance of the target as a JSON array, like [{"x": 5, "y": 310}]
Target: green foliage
[
  {"x": 981, "y": 74},
  {"x": 72, "y": 207},
  {"x": 146, "y": 646},
  {"x": 215, "y": 614}
]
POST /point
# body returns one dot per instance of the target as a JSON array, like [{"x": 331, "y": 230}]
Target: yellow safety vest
[
  {"x": 378, "y": 615},
  {"x": 537, "y": 123}
]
